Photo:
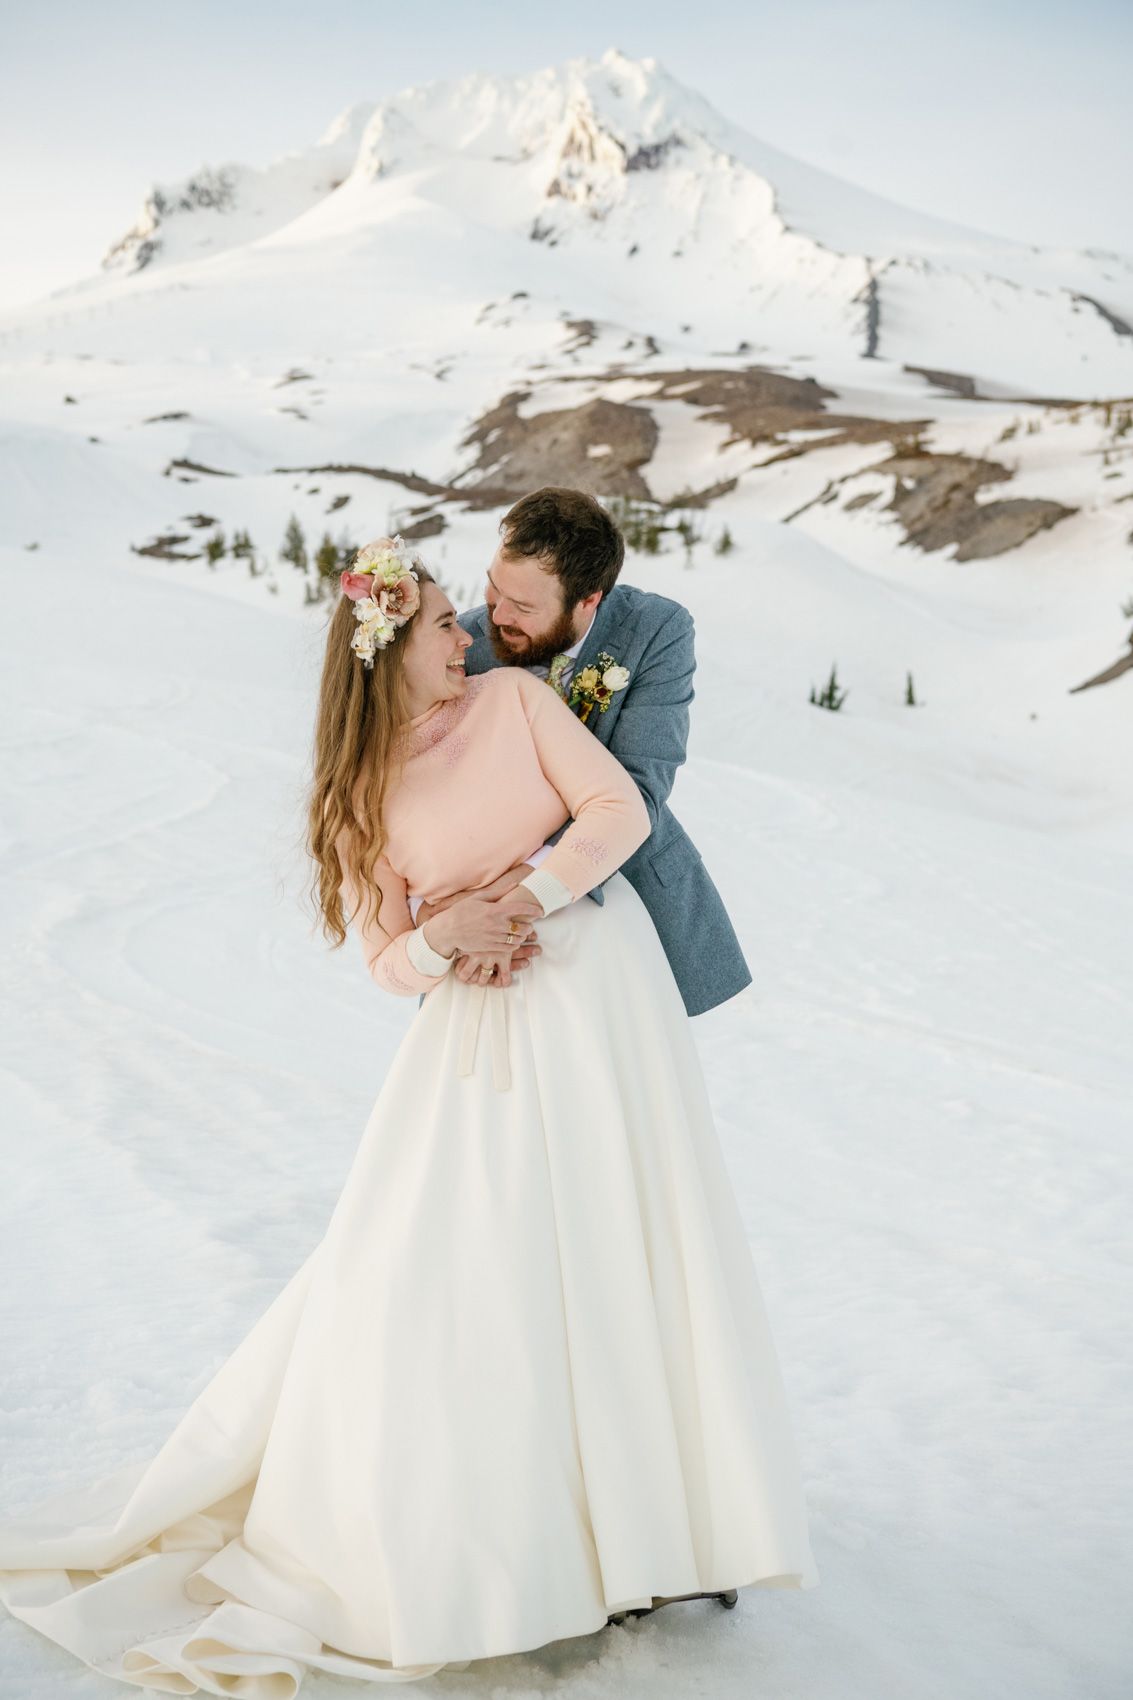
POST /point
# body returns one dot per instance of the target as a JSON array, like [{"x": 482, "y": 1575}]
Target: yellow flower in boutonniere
[{"x": 595, "y": 687}]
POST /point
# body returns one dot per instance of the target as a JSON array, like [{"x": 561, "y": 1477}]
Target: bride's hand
[
  {"x": 488, "y": 968},
  {"x": 484, "y": 924},
  {"x": 496, "y": 968}
]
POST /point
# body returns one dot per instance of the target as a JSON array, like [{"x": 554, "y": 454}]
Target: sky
[{"x": 1013, "y": 118}]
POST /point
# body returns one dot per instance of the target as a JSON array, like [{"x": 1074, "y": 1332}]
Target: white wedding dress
[{"x": 524, "y": 1380}]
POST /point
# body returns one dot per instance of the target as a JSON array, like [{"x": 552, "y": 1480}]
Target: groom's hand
[{"x": 506, "y": 882}]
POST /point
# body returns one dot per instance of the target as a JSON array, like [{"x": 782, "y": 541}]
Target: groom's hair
[{"x": 572, "y": 534}]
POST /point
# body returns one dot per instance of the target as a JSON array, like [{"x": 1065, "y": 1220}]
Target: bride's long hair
[{"x": 360, "y": 712}]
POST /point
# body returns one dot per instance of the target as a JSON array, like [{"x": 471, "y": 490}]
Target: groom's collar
[
  {"x": 575, "y": 649},
  {"x": 605, "y": 621}
]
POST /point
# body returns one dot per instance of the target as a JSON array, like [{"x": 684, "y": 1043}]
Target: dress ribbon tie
[{"x": 497, "y": 1024}]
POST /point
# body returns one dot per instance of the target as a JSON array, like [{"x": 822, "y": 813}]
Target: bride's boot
[{"x": 727, "y": 1597}]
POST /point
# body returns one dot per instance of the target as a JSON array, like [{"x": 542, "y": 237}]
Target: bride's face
[{"x": 434, "y": 652}]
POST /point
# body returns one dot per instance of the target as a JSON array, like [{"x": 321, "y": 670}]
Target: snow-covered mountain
[
  {"x": 678, "y": 215},
  {"x": 581, "y": 276}
]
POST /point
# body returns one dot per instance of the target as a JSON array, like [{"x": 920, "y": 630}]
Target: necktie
[{"x": 559, "y": 665}]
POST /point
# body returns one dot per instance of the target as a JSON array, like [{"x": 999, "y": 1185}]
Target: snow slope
[{"x": 923, "y": 1100}]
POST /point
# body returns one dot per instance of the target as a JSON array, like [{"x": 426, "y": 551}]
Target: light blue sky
[{"x": 1013, "y": 117}]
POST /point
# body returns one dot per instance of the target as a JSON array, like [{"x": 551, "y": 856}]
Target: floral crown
[{"x": 382, "y": 584}]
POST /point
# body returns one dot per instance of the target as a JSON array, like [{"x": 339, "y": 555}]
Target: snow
[
  {"x": 923, "y": 1101},
  {"x": 924, "y": 1098}
]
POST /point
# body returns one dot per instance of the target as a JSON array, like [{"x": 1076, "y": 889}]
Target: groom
[{"x": 554, "y": 606}]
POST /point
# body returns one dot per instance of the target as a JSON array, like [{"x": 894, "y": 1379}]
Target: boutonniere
[{"x": 596, "y": 686}]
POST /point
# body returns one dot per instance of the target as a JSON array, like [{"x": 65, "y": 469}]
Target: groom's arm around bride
[{"x": 553, "y": 605}]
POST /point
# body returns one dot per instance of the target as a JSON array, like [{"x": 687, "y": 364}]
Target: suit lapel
[{"x": 602, "y": 633}]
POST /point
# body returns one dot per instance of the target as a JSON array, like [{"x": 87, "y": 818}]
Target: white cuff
[
  {"x": 424, "y": 958},
  {"x": 548, "y": 890}
]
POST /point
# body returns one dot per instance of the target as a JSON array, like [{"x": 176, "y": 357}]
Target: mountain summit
[
  {"x": 655, "y": 212},
  {"x": 585, "y": 276}
]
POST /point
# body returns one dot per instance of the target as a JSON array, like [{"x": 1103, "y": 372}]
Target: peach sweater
[{"x": 487, "y": 777}]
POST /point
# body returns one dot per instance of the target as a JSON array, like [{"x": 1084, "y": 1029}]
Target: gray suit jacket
[{"x": 646, "y": 727}]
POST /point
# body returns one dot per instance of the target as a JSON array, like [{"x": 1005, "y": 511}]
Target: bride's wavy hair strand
[{"x": 359, "y": 715}]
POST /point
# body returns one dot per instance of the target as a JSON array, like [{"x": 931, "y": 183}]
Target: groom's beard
[{"x": 537, "y": 651}]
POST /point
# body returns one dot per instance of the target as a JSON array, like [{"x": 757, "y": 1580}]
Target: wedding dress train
[{"x": 525, "y": 1379}]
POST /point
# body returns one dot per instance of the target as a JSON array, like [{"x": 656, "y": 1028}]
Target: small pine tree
[
  {"x": 725, "y": 542},
  {"x": 294, "y": 545},
  {"x": 327, "y": 557},
  {"x": 215, "y": 548},
  {"x": 829, "y": 697},
  {"x": 910, "y": 698},
  {"x": 241, "y": 545},
  {"x": 638, "y": 524}
]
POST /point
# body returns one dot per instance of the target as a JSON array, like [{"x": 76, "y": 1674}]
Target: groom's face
[{"x": 529, "y": 623}]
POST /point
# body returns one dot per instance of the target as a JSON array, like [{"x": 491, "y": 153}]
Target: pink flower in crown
[
  {"x": 357, "y": 586},
  {"x": 400, "y": 600}
]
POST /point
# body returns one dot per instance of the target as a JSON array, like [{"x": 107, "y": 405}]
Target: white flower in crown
[
  {"x": 373, "y": 631},
  {"x": 382, "y": 584}
]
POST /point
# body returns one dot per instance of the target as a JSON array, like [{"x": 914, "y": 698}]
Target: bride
[{"x": 525, "y": 1381}]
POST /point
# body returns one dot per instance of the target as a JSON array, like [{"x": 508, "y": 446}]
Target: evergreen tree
[
  {"x": 327, "y": 558},
  {"x": 829, "y": 697},
  {"x": 215, "y": 548},
  {"x": 294, "y": 545}
]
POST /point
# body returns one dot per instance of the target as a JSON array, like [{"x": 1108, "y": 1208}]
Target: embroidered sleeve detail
[
  {"x": 394, "y": 979},
  {"x": 592, "y": 848},
  {"x": 385, "y": 929}
]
